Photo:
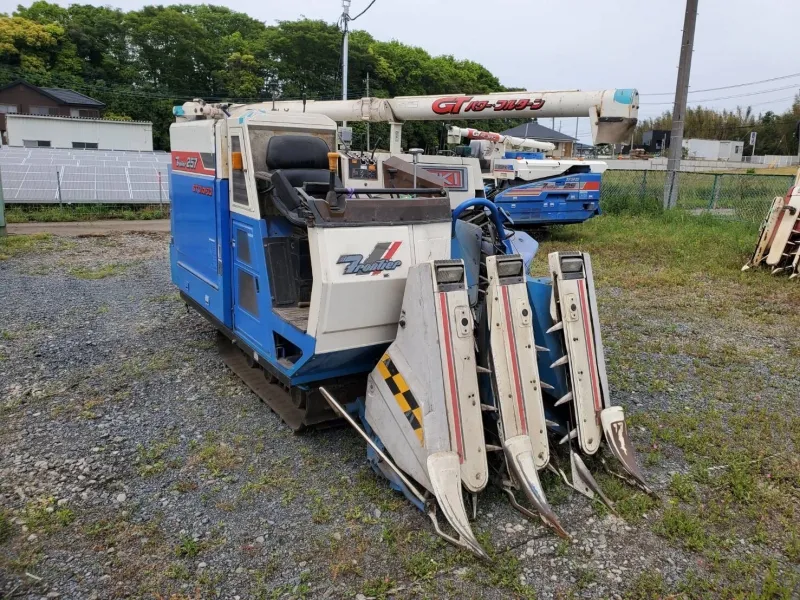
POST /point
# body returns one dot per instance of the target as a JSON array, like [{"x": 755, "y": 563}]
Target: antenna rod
[{"x": 345, "y": 19}]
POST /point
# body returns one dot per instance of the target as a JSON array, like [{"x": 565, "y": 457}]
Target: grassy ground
[
  {"x": 704, "y": 358},
  {"x": 744, "y": 197},
  {"x": 771, "y": 171},
  {"x": 19, "y": 244},
  {"x": 48, "y": 213},
  {"x": 716, "y": 350}
]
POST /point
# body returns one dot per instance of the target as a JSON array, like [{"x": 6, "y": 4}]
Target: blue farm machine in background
[
  {"x": 386, "y": 307},
  {"x": 533, "y": 191}
]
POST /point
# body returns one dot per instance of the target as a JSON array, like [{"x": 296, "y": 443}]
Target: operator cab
[{"x": 334, "y": 259}]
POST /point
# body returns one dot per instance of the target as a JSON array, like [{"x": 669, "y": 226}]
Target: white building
[
  {"x": 725, "y": 150},
  {"x": 35, "y": 131}
]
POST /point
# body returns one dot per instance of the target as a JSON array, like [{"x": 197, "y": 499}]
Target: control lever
[{"x": 335, "y": 201}]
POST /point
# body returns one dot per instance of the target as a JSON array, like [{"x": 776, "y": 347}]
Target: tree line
[
  {"x": 777, "y": 133},
  {"x": 141, "y": 63}
]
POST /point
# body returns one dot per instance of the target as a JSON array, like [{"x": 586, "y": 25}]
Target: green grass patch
[
  {"x": 668, "y": 250},
  {"x": 378, "y": 588},
  {"x": 631, "y": 504},
  {"x": 681, "y": 526},
  {"x": 43, "y": 515},
  {"x": 101, "y": 272},
  {"x": 647, "y": 586},
  {"x": 47, "y": 213},
  {"x": 188, "y": 547},
  {"x": 151, "y": 459},
  {"x": 6, "y": 528},
  {"x": 16, "y": 245},
  {"x": 219, "y": 458}
]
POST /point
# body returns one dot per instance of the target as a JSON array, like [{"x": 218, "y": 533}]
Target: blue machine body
[
  {"x": 218, "y": 261},
  {"x": 552, "y": 201}
]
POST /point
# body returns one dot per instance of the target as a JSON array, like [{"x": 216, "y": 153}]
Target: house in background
[
  {"x": 34, "y": 117},
  {"x": 23, "y": 98},
  {"x": 585, "y": 150},
  {"x": 656, "y": 140},
  {"x": 725, "y": 150},
  {"x": 565, "y": 145}
]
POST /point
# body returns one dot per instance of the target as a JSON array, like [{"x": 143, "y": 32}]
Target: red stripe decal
[
  {"x": 591, "y": 185},
  {"x": 589, "y": 344},
  {"x": 190, "y": 162},
  {"x": 514, "y": 360},
  {"x": 451, "y": 375},
  {"x": 389, "y": 253}
]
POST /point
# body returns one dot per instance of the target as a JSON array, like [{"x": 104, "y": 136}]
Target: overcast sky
[{"x": 581, "y": 44}]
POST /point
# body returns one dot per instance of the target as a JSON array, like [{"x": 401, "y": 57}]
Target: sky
[{"x": 581, "y": 44}]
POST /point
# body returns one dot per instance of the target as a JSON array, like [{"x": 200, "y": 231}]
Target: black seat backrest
[
  {"x": 299, "y": 158},
  {"x": 297, "y": 152}
]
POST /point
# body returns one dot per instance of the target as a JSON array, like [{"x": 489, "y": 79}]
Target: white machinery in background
[
  {"x": 514, "y": 158},
  {"x": 612, "y": 114},
  {"x": 778, "y": 244}
]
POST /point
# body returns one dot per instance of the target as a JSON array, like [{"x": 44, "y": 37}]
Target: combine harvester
[
  {"x": 415, "y": 322},
  {"x": 778, "y": 244}
]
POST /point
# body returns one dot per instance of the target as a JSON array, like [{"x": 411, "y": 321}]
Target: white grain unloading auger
[
  {"x": 778, "y": 246},
  {"x": 415, "y": 321}
]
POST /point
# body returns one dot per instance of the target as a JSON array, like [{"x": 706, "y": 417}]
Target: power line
[
  {"x": 363, "y": 11},
  {"x": 728, "y": 87},
  {"x": 780, "y": 89},
  {"x": 771, "y": 101}
]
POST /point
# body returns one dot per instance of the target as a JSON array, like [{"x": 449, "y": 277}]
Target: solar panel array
[{"x": 44, "y": 176}]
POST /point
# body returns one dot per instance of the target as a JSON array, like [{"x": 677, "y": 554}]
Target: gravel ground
[{"x": 134, "y": 464}]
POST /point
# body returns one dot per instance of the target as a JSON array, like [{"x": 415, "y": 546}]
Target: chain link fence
[
  {"x": 143, "y": 193},
  {"x": 741, "y": 197}
]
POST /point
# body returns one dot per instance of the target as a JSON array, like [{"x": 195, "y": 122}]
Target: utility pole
[
  {"x": 367, "y": 121},
  {"x": 345, "y": 26},
  {"x": 679, "y": 110},
  {"x": 575, "y": 143}
]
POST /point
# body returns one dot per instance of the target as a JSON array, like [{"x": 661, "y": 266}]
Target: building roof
[
  {"x": 535, "y": 131},
  {"x": 72, "y": 97},
  {"x": 15, "y": 116},
  {"x": 60, "y": 95}
]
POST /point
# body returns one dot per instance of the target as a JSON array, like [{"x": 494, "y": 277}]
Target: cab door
[{"x": 246, "y": 246}]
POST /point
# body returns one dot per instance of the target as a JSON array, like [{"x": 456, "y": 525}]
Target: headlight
[
  {"x": 449, "y": 274},
  {"x": 509, "y": 268},
  {"x": 572, "y": 265}
]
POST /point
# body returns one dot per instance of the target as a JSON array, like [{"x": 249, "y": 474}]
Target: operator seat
[{"x": 293, "y": 160}]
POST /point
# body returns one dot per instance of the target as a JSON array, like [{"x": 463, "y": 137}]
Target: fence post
[
  {"x": 58, "y": 188},
  {"x": 2, "y": 210},
  {"x": 160, "y": 194},
  {"x": 712, "y": 203},
  {"x": 644, "y": 188},
  {"x": 669, "y": 200}
]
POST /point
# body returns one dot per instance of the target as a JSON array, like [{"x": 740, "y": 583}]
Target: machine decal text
[
  {"x": 203, "y": 190},
  {"x": 455, "y": 105},
  {"x": 379, "y": 260}
]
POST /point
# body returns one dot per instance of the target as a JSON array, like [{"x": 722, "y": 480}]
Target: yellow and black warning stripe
[{"x": 405, "y": 399}]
